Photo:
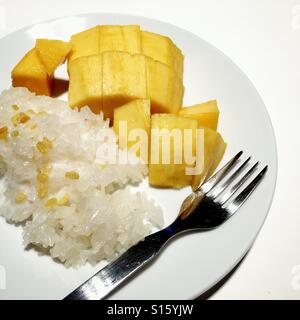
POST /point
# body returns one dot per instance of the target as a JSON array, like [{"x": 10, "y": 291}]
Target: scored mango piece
[
  {"x": 135, "y": 115},
  {"x": 214, "y": 148},
  {"x": 165, "y": 88},
  {"x": 170, "y": 126},
  {"x": 85, "y": 43},
  {"x": 210, "y": 137},
  {"x": 106, "y": 38},
  {"x": 85, "y": 86},
  {"x": 206, "y": 113},
  {"x": 162, "y": 49},
  {"x": 120, "y": 38},
  {"x": 31, "y": 73},
  {"x": 52, "y": 53},
  {"x": 124, "y": 79},
  {"x": 219, "y": 151}
]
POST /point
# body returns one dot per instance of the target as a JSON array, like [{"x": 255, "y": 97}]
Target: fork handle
[{"x": 116, "y": 272}]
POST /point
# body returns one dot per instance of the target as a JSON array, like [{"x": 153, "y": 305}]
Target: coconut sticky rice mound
[{"x": 56, "y": 183}]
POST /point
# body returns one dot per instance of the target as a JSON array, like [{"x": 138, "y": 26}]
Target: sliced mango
[
  {"x": 85, "y": 43},
  {"x": 210, "y": 137},
  {"x": 85, "y": 87},
  {"x": 31, "y": 73},
  {"x": 214, "y": 148},
  {"x": 219, "y": 151},
  {"x": 136, "y": 115},
  {"x": 106, "y": 38},
  {"x": 124, "y": 79},
  {"x": 170, "y": 174},
  {"x": 120, "y": 38},
  {"x": 127, "y": 74},
  {"x": 162, "y": 49},
  {"x": 165, "y": 88},
  {"x": 52, "y": 53},
  {"x": 132, "y": 38},
  {"x": 174, "y": 175},
  {"x": 206, "y": 113}
]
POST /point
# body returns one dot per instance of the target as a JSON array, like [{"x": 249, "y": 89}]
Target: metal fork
[{"x": 205, "y": 209}]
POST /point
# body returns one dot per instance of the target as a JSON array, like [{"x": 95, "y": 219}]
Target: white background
[{"x": 263, "y": 38}]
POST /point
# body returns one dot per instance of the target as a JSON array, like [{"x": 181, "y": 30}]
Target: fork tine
[
  {"x": 243, "y": 195},
  {"x": 215, "y": 192},
  {"x": 220, "y": 174},
  {"x": 233, "y": 189}
]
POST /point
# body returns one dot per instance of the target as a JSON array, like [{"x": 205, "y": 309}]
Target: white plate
[{"x": 194, "y": 263}]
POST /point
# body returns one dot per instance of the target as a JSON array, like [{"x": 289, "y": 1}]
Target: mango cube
[
  {"x": 106, "y": 38},
  {"x": 85, "y": 87},
  {"x": 218, "y": 154},
  {"x": 31, "y": 73},
  {"x": 124, "y": 79},
  {"x": 162, "y": 49},
  {"x": 165, "y": 88},
  {"x": 210, "y": 137},
  {"x": 136, "y": 115},
  {"x": 52, "y": 53},
  {"x": 85, "y": 43},
  {"x": 164, "y": 128},
  {"x": 214, "y": 148},
  {"x": 206, "y": 113},
  {"x": 120, "y": 38}
]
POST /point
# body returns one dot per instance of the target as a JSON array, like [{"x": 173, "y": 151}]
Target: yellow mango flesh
[
  {"x": 128, "y": 38},
  {"x": 214, "y": 148},
  {"x": 173, "y": 174},
  {"x": 120, "y": 38},
  {"x": 178, "y": 60},
  {"x": 129, "y": 75},
  {"x": 218, "y": 154},
  {"x": 85, "y": 43},
  {"x": 210, "y": 137},
  {"x": 136, "y": 114},
  {"x": 106, "y": 38},
  {"x": 52, "y": 53},
  {"x": 124, "y": 79},
  {"x": 162, "y": 49},
  {"x": 165, "y": 88},
  {"x": 85, "y": 87},
  {"x": 206, "y": 113},
  {"x": 31, "y": 73}
]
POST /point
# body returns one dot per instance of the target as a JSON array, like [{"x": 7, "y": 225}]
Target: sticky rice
[{"x": 55, "y": 183}]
